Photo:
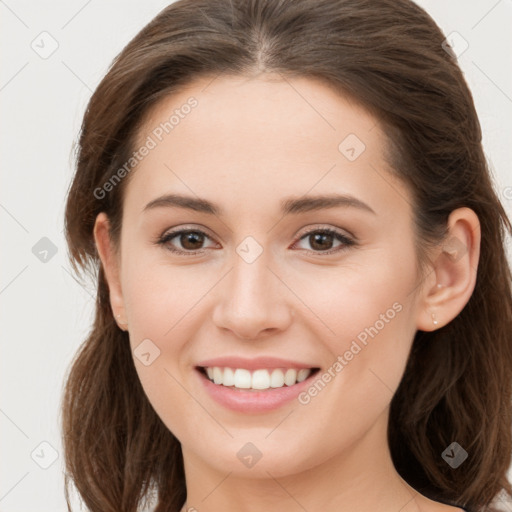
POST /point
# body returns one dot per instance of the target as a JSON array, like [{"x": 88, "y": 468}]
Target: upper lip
[{"x": 256, "y": 363}]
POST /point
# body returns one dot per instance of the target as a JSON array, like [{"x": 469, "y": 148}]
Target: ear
[
  {"x": 450, "y": 284},
  {"x": 111, "y": 266}
]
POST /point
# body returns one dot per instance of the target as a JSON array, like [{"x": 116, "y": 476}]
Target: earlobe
[
  {"x": 452, "y": 280},
  {"x": 110, "y": 264}
]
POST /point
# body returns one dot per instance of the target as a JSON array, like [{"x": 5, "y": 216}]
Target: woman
[{"x": 303, "y": 296}]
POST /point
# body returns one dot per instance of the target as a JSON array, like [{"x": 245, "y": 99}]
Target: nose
[{"x": 254, "y": 302}]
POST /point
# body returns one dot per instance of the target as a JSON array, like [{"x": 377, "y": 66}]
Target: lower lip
[{"x": 246, "y": 401}]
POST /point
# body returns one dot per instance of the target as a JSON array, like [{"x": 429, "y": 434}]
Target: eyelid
[
  {"x": 324, "y": 227},
  {"x": 171, "y": 233}
]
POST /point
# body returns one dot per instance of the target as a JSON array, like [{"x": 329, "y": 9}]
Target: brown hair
[{"x": 388, "y": 56}]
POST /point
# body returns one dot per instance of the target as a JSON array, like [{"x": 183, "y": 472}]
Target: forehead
[
  {"x": 261, "y": 106},
  {"x": 264, "y": 136}
]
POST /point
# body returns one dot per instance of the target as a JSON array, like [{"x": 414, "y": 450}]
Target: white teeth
[
  {"x": 258, "y": 379},
  {"x": 277, "y": 379},
  {"x": 242, "y": 379},
  {"x": 217, "y": 375},
  {"x": 228, "y": 378},
  {"x": 290, "y": 377}
]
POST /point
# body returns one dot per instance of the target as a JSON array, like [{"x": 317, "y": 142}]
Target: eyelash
[{"x": 164, "y": 239}]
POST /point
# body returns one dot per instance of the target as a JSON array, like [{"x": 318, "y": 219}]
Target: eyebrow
[{"x": 290, "y": 205}]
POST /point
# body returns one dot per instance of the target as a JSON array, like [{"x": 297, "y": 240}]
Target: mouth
[{"x": 264, "y": 379}]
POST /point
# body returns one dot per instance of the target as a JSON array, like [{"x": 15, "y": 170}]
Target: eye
[
  {"x": 190, "y": 240},
  {"x": 322, "y": 239}
]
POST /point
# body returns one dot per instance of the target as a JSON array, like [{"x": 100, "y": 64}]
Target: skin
[{"x": 250, "y": 143}]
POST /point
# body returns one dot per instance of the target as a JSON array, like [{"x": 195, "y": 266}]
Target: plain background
[{"x": 46, "y": 314}]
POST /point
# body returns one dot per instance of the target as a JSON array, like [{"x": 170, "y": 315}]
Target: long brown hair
[{"x": 389, "y": 56}]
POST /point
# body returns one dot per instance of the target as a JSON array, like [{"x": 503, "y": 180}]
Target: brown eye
[
  {"x": 191, "y": 241},
  {"x": 321, "y": 241}
]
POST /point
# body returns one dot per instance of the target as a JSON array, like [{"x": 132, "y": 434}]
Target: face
[{"x": 272, "y": 281}]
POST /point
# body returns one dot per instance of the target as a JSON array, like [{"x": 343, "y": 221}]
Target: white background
[{"x": 45, "y": 312}]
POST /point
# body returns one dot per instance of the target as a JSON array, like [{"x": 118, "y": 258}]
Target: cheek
[
  {"x": 360, "y": 299},
  {"x": 370, "y": 314},
  {"x": 159, "y": 298}
]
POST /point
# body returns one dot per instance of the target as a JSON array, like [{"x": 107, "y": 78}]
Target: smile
[
  {"x": 254, "y": 391},
  {"x": 260, "y": 379}
]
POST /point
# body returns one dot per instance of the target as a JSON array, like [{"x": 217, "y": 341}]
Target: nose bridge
[
  {"x": 252, "y": 300},
  {"x": 250, "y": 280}
]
